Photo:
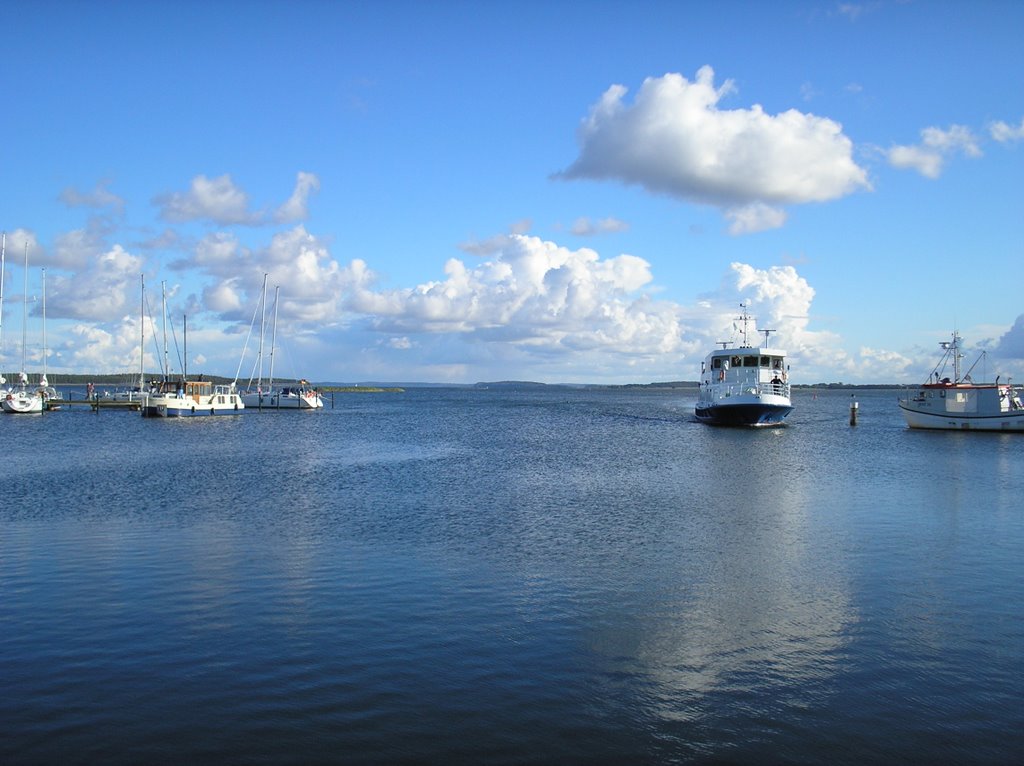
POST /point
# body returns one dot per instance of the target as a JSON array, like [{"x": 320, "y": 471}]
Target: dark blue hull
[{"x": 743, "y": 414}]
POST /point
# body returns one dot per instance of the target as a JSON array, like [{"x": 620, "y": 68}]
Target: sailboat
[
  {"x": 4, "y": 388},
  {"x": 52, "y": 398},
  {"x": 23, "y": 400},
  {"x": 184, "y": 397},
  {"x": 300, "y": 397}
]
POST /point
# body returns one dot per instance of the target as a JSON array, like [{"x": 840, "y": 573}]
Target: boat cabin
[{"x": 753, "y": 359}]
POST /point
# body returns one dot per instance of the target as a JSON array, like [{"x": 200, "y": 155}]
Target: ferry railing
[{"x": 751, "y": 388}]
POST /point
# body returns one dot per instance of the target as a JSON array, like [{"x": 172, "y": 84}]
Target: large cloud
[
  {"x": 675, "y": 140},
  {"x": 312, "y": 283},
  {"x": 535, "y": 294},
  {"x": 102, "y": 291}
]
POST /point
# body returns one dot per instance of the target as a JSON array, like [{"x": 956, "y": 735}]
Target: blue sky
[{"x": 562, "y": 192}]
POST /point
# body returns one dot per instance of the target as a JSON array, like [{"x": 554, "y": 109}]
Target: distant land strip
[{"x": 122, "y": 379}]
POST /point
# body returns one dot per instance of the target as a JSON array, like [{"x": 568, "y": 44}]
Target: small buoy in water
[{"x": 853, "y": 412}]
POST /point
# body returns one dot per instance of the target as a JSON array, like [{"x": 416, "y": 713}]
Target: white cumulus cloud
[
  {"x": 675, "y": 139},
  {"x": 221, "y": 201},
  {"x": 1011, "y": 343},
  {"x": 532, "y": 293},
  {"x": 101, "y": 291},
  {"x": 214, "y": 199}
]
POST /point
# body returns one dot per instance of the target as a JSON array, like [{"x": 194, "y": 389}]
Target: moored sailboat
[
  {"x": 23, "y": 399},
  {"x": 297, "y": 397}
]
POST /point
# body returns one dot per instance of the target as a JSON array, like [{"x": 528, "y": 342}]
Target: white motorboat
[
  {"x": 960, "y": 404},
  {"x": 173, "y": 399},
  {"x": 183, "y": 397},
  {"x": 744, "y": 386}
]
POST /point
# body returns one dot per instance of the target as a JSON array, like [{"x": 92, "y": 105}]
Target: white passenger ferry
[
  {"x": 960, "y": 403},
  {"x": 744, "y": 386}
]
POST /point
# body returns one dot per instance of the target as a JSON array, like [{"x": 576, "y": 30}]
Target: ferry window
[
  {"x": 716, "y": 363},
  {"x": 737, "y": 361},
  {"x": 776, "y": 363},
  {"x": 764, "y": 361},
  {"x": 750, "y": 361}
]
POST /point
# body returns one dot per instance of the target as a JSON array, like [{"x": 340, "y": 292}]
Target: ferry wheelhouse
[
  {"x": 744, "y": 386},
  {"x": 960, "y": 403}
]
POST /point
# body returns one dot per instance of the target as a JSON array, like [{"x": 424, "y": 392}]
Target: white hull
[
  {"x": 301, "y": 399},
  {"x": 927, "y": 412},
  {"x": 717, "y": 406},
  {"x": 22, "y": 402},
  {"x": 194, "y": 401}
]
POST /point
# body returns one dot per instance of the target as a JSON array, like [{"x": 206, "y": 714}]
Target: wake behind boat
[
  {"x": 744, "y": 386},
  {"x": 959, "y": 403}
]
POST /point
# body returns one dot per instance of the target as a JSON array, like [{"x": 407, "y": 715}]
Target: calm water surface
[{"x": 467, "y": 576}]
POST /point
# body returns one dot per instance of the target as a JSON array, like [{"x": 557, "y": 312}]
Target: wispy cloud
[
  {"x": 99, "y": 197},
  {"x": 297, "y": 206},
  {"x": 1005, "y": 133},
  {"x": 221, "y": 201},
  {"x": 586, "y": 227},
  {"x": 929, "y": 157}
]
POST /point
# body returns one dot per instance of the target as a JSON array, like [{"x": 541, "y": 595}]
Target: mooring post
[{"x": 853, "y": 411}]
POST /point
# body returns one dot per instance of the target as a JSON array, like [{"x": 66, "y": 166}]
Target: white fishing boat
[
  {"x": 298, "y": 397},
  {"x": 960, "y": 404},
  {"x": 744, "y": 386}
]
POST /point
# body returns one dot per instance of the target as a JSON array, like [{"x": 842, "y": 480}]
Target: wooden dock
[{"x": 96, "y": 403}]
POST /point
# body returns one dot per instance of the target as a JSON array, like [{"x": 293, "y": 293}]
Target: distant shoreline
[{"x": 67, "y": 379}]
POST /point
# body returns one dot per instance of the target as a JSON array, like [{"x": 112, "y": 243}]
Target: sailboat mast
[
  {"x": 142, "y": 333},
  {"x": 273, "y": 342},
  {"x": 43, "y": 381},
  {"x": 263, "y": 332},
  {"x": 163, "y": 303},
  {"x": 184, "y": 343},
  {"x": 24, "y": 318},
  {"x": 3, "y": 266}
]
